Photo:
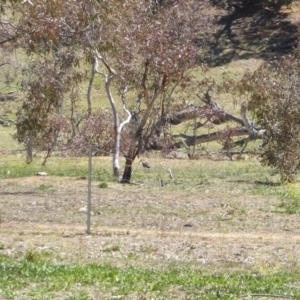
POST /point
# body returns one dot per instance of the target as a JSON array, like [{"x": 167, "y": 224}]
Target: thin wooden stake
[{"x": 89, "y": 204}]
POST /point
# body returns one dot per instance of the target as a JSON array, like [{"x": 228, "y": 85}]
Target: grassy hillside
[{"x": 243, "y": 40}]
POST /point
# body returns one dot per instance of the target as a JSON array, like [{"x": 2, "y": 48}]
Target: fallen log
[
  {"x": 191, "y": 140},
  {"x": 211, "y": 112}
]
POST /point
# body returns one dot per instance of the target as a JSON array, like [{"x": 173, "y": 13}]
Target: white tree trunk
[{"x": 117, "y": 126}]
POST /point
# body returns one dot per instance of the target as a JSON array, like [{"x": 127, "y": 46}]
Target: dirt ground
[{"x": 132, "y": 225}]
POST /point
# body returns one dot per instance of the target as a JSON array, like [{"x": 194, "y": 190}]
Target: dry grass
[{"x": 213, "y": 214}]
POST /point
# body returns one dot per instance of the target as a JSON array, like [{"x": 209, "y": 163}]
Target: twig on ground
[
  {"x": 267, "y": 296},
  {"x": 171, "y": 175}
]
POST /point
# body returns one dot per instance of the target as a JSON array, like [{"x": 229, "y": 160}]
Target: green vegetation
[
  {"x": 103, "y": 185},
  {"x": 227, "y": 177},
  {"x": 45, "y": 187},
  {"x": 35, "y": 276},
  {"x": 202, "y": 174},
  {"x": 114, "y": 248},
  {"x": 290, "y": 200},
  {"x": 13, "y": 167},
  {"x": 273, "y": 95}
]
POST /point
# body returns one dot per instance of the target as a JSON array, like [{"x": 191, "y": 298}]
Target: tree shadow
[
  {"x": 256, "y": 182},
  {"x": 267, "y": 183},
  {"x": 17, "y": 193},
  {"x": 252, "y": 30}
]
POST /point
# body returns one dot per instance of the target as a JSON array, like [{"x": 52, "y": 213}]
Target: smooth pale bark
[
  {"x": 117, "y": 126},
  {"x": 116, "y": 148}
]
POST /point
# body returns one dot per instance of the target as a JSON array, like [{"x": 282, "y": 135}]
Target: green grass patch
[
  {"x": 13, "y": 167},
  {"x": 103, "y": 185},
  {"x": 39, "y": 278},
  {"x": 228, "y": 177},
  {"x": 114, "y": 248},
  {"x": 197, "y": 176},
  {"x": 289, "y": 199},
  {"x": 45, "y": 187},
  {"x": 8, "y": 143}
]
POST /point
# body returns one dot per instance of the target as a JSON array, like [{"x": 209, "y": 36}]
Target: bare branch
[
  {"x": 206, "y": 98},
  {"x": 213, "y": 112},
  {"x": 191, "y": 140},
  {"x": 111, "y": 71},
  {"x": 125, "y": 109},
  {"x": 267, "y": 296},
  {"x": 253, "y": 132},
  {"x": 171, "y": 175},
  {"x": 245, "y": 119}
]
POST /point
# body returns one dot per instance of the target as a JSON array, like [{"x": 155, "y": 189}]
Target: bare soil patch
[{"x": 131, "y": 226}]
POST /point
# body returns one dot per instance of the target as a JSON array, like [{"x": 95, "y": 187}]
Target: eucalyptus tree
[
  {"x": 154, "y": 46},
  {"x": 145, "y": 47},
  {"x": 55, "y": 35}
]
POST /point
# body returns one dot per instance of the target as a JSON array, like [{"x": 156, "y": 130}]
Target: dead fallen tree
[
  {"x": 209, "y": 115},
  {"x": 192, "y": 140},
  {"x": 214, "y": 114}
]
